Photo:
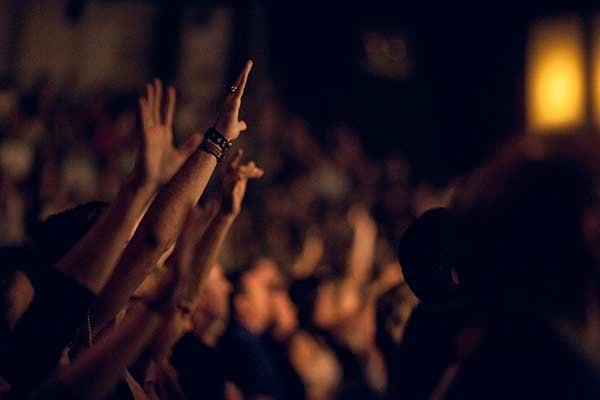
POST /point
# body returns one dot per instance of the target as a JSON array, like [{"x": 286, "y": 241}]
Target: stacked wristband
[{"x": 215, "y": 143}]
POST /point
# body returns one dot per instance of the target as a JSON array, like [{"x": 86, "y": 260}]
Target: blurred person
[
  {"x": 309, "y": 353},
  {"x": 341, "y": 347},
  {"x": 248, "y": 361},
  {"x": 525, "y": 244},
  {"x": 195, "y": 361},
  {"x": 394, "y": 308},
  {"x": 432, "y": 336},
  {"x": 100, "y": 248},
  {"x": 199, "y": 366},
  {"x": 186, "y": 171},
  {"x": 43, "y": 305},
  {"x": 165, "y": 218},
  {"x": 149, "y": 324},
  {"x": 341, "y": 314},
  {"x": 278, "y": 340}
]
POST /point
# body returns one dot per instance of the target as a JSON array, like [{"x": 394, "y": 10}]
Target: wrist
[
  {"x": 215, "y": 143},
  {"x": 223, "y": 128}
]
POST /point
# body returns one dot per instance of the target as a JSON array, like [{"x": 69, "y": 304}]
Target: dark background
[{"x": 464, "y": 96}]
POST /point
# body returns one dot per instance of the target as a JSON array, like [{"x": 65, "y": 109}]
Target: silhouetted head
[
  {"x": 527, "y": 228},
  {"x": 422, "y": 254},
  {"x": 57, "y": 234}
]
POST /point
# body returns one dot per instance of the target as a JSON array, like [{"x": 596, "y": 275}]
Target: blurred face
[
  {"x": 18, "y": 297},
  {"x": 285, "y": 315},
  {"x": 334, "y": 304},
  {"x": 254, "y": 305},
  {"x": 213, "y": 303}
]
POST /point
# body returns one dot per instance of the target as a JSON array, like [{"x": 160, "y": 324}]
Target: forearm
[
  {"x": 92, "y": 260},
  {"x": 361, "y": 257},
  {"x": 157, "y": 232},
  {"x": 98, "y": 369},
  {"x": 206, "y": 253}
]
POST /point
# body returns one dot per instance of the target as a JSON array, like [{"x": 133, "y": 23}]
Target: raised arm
[
  {"x": 92, "y": 260},
  {"x": 163, "y": 221},
  {"x": 60, "y": 304},
  {"x": 208, "y": 248},
  {"x": 362, "y": 253}
]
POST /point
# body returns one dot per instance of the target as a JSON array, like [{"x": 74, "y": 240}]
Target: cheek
[{"x": 19, "y": 297}]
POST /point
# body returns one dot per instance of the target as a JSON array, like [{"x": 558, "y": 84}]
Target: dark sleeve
[
  {"x": 248, "y": 367},
  {"x": 51, "y": 390},
  {"x": 49, "y": 324},
  {"x": 426, "y": 351},
  {"x": 200, "y": 369}
]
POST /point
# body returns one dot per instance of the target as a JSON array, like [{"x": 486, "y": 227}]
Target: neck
[
  {"x": 211, "y": 334},
  {"x": 208, "y": 329},
  {"x": 251, "y": 325}
]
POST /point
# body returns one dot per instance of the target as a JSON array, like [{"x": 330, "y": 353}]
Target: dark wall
[{"x": 466, "y": 94}]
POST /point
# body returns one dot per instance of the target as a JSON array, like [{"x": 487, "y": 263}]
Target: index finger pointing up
[{"x": 240, "y": 83}]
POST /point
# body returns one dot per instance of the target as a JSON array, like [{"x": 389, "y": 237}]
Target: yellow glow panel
[
  {"x": 596, "y": 71},
  {"x": 555, "y": 76}
]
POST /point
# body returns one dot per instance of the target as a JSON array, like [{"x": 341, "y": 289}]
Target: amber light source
[
  {"x": 596, "y": 70},
  {"x": 555, "y": 76}
]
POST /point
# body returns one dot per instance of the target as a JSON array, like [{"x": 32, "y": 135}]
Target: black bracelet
[
  {"x": 216, "y": 137},
  {"x": 215, "y": 143},
  {"x": 213, "y": 149}
]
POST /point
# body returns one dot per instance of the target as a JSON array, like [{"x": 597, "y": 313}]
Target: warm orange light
[
  {"x": 555, "y": 76},
  {"x": 596, "y": 71}
]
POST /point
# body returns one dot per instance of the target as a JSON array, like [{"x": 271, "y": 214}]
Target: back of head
[
  {"x": 57, "y": 234},
  {"x": 518, "y": 237},
  {"x": 422, "y": 255}
]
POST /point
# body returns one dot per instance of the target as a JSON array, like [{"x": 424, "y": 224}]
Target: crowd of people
[{"x": 311, "y": 272}]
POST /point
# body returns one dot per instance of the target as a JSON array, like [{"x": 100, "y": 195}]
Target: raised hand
[
  {"x": 158, "y": 158},
  {"x": 236, "y": 181},
  {"x": 362, "y": 253},
  {"x": 310, "y": 256},
  {"x": 228, "y": 122}
]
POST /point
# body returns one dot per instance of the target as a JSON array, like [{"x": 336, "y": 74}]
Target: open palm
[{"x": 160, "y": 158}]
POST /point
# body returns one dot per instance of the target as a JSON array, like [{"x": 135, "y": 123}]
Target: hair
[
  {"x": 57, "y": 234},
  {"x": 236, "y": 278},
  {"x": 422, "y": 255}
]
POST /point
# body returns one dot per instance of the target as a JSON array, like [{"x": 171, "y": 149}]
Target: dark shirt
[
  {"x": 120, "y": 392},
  {"x": 524, "y": 359},
  {"x": 291, "y": 382},
  {"x": 427, "y": 349},
  {"x": 354, "y": 384},
  {"x": 35, "y": 346},
  {"x": 53, "y": 389},
  {"x": 200, "y": 368},
  {"x": 248, "y": 363}
]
